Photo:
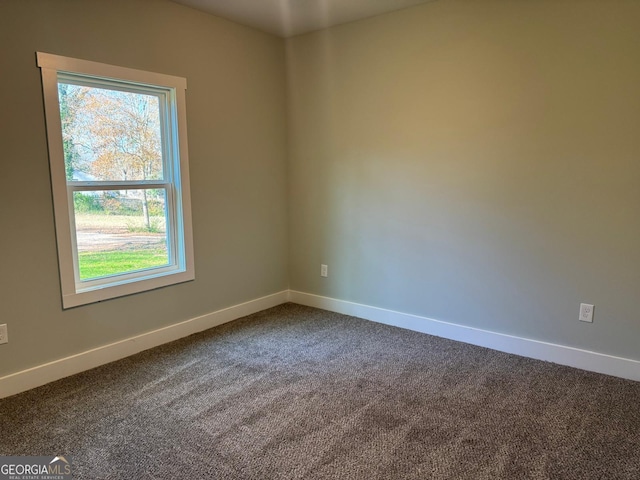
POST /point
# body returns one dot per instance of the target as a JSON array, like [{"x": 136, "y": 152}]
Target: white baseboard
[
  {"x": 49, "y": 372},
  {"x": 570, "y": 356}
]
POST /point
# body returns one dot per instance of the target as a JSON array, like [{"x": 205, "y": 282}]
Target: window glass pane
[
  {"x": 110, "y": 135},
  {"x": 120, "y": 231}
]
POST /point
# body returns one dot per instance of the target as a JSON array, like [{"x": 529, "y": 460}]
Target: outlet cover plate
[
  {"x": 4, "y": 336},
  {"x": 586, "y": 312}
]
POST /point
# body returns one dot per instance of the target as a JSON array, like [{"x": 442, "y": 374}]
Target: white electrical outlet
[
  {"x": 586, "y": 312},
  {"x": 4, "y": 336},
  {"x": 324, "y": 271}
]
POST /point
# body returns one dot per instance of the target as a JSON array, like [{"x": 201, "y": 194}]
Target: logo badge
[{"x": 35, "y": 468}]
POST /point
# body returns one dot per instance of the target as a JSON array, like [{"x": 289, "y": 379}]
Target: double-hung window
[{"x": 120, "y": 179}]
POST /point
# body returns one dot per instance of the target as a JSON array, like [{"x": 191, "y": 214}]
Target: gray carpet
[{"x": 299, "y": 393}]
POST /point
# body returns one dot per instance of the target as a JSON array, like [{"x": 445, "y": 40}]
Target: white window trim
[{"x": 184, "y": 270}]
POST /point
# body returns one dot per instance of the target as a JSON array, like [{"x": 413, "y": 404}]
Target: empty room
[{"x": 318, "y": 239}]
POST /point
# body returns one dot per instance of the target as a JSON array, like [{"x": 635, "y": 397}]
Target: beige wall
[
  {"x": 470, "y": 161},
  {"x": 474, "y": 161},
  {"x": 237, "y": 141}
]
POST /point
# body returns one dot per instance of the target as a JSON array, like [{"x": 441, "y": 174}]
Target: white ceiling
[{"x": 292, "y": 17}]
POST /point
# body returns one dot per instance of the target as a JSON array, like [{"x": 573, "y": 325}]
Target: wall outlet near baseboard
[
  {"x": 324, "y": 270},
  {"x": 4, "y": 336},
  {"x": 586, "y": 312}
]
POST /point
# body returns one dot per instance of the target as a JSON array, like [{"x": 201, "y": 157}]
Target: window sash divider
[{"x": 118, "y": 185}]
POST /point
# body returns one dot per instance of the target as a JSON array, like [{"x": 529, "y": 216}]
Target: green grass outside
[{"x": 100, "y": 264}]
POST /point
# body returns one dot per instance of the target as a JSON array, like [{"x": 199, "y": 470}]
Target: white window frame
[{"x": 171, "y": 92}]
